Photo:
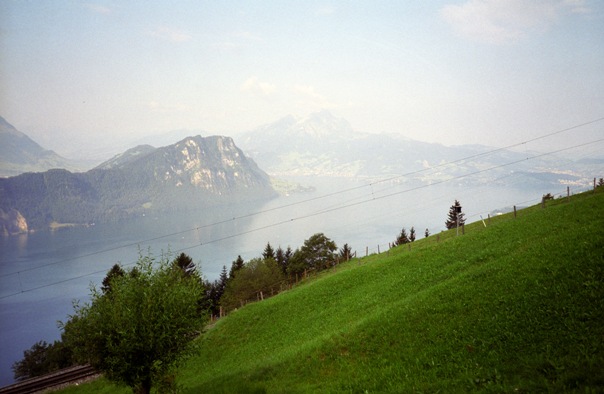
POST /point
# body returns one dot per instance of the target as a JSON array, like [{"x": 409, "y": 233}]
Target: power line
[
  {"x": 348, "y": 205},
  {"x": 371, "y": 184}
]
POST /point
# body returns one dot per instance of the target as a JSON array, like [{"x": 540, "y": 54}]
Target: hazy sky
[{"x": 471, "y": 71}]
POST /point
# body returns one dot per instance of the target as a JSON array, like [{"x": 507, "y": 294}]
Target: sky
[{"x": 81, "y": 75}]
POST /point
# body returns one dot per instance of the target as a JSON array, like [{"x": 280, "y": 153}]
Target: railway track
[{"x": 41, "y": 383}]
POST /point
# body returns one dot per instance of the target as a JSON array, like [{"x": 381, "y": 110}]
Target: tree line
[{"x": 141, "y": 322}]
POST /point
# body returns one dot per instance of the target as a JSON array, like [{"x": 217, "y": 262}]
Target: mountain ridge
[
  {"x": 19, "y": 153},
  {"x": 192, "y": 173},
  {"x": 322, "y": 144}
]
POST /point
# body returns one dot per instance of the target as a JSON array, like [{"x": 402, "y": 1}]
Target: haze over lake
[{"x": 42, "y": 272}]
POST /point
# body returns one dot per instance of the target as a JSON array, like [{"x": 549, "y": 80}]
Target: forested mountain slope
[{"x": 195, "y": 172}]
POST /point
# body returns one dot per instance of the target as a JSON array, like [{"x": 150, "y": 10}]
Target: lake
[{"x": 42, "y": 272}]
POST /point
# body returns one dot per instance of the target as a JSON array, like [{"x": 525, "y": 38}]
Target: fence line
[{"x": 386, "y": 248}]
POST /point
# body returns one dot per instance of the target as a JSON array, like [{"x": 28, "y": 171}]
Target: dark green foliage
[
  {"x": 283, "y": 258},
  {"x": 236, "y": 266},
  {"x": 345, "y": 253},
  {"x": 138, "y": 332},
  {"x": 259, "y": 278},
  {"x": 412, "y": 235},
  {"x": 427, "y": 233},
  {"x": 455, "y": 216},
  {"x": 223, "y": 280},
  {"x": 214, "y": 292},
  {"x": 115, "y": 271},
  {"x": 268, "y": 253},
  {"x": 184, "y": 263},
  {"x": 317, "y": 253},
  {"x": 402, "y": 238},
  {"x": 43, "y": 358}
]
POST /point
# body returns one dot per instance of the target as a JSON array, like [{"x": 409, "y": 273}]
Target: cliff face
[
  {"x": 12, "y": 222},
  {"x": 191, "y": 174},
  {"x": 214, "y": 164}
]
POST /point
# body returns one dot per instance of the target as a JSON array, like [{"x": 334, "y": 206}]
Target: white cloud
[
  {"x": 506, "y": 21},
  {"x": 255, "y": 86},
  {"x": 170, "y": 34},
  {"x": 308, "y": 96}
]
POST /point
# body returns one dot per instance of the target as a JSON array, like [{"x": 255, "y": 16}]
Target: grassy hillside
[{"x": 517, "y": 306}]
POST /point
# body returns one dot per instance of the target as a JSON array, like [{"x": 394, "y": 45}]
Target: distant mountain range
[
  {"x": 203, "y": 171},
  {"x": 19, "y": 154},
  {"x": 324, "y": 145},
  {"x": 195, "y": 172}
]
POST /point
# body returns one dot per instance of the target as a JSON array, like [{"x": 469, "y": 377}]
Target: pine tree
[
  {"x": 402, "y": 238},
  {"x": 455, "y": 217},
  {"x": 268, "y": 253},
  {"x": 236, "y": 266},
  {"x": 115, "y": 271},
  {"x": 282, "y": 258},
  {"x": 412, "y": 235},
  {"x": 222, "y": 281},
  {"x": 185, "y": 263},
  {"x": 427, "y": 233}
]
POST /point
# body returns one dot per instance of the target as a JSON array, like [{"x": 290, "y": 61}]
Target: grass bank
[{"x": 516, "y": 306}]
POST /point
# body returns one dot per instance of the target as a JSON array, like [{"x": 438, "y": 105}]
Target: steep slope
[
  {"x": 195, "y": 172},
  {"x": 121, "y": 159},
  {"x": 513, "y": 307},
  {"x": 19, "y": 153}
]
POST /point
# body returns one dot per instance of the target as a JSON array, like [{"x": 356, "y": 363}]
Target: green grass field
[{"x": 517, "y": 307}]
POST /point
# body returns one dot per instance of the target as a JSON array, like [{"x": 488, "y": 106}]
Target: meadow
[{"x": 515, "y": 304}]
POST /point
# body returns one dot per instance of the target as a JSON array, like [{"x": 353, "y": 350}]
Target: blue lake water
[{"x": 43, "y": 272}]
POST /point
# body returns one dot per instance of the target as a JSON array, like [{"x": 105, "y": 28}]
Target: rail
[{"x": 41, "y": 383}]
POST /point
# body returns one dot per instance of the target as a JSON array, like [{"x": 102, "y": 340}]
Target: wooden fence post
[
  {"x": 366, "y": 251},
  {"x": 568, "y": 193},
  {"x": 378, "y": 249},
  {"x": 514, "y": 211}
]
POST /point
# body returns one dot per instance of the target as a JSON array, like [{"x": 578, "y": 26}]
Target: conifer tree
[
  {"x": 412, "y": 234},
  {"x": 268, "y": 253},
  {"x": 185, "y": 263},
  {"x": 282, "y": 258},
  {"x": 427, "y": 233},
  {"x": 114, "y": 272},
  {"x": 222, "y": 281},
  {"x": 455, "y": 217},
  {"x": 236, "y": 266},
  {"x": 402, "y": 238}
]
